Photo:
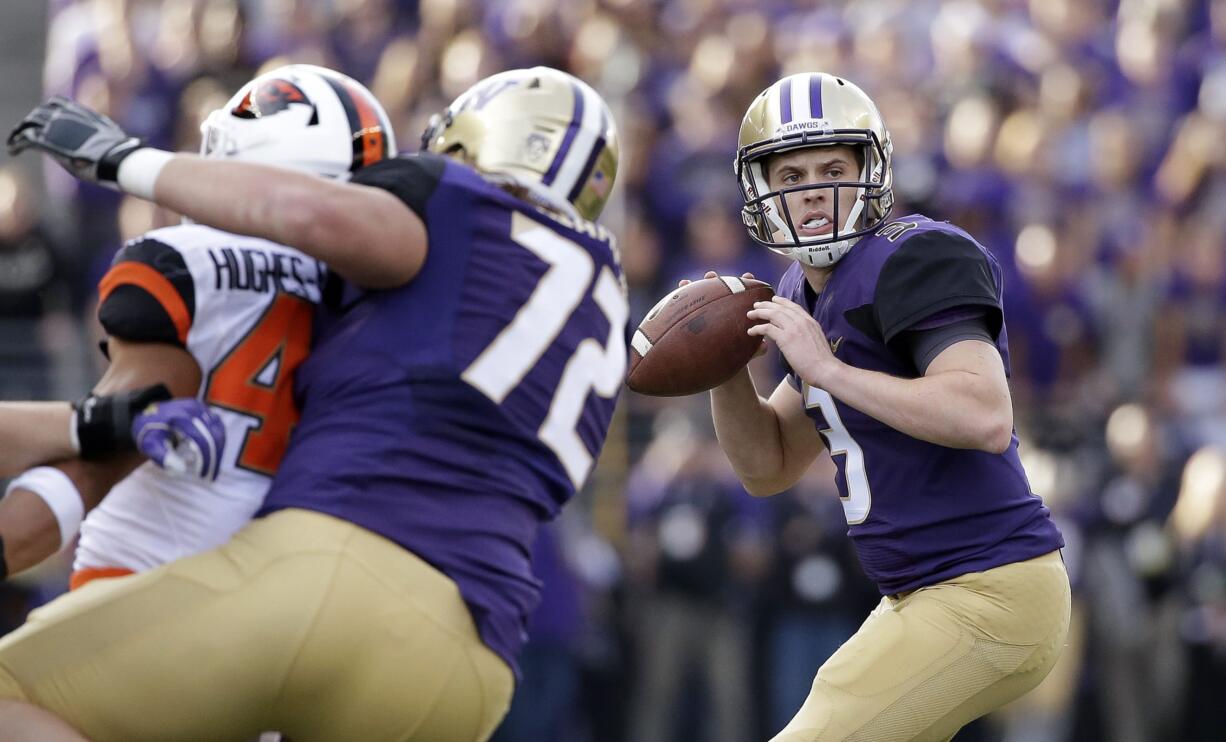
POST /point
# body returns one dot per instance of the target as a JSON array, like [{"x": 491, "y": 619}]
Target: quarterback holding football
[{"x": 897, "y": 362}]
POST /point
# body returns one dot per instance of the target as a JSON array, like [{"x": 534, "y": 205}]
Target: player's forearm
[
  {"x": 748, "y": 432},
  {"x": 958, "y": 409},
  {"x": 39, "y": 519},
  {"x": 29, "y": 530},
  {"x": 33, "y": 433},
  {"x": 362, "y": 233}
]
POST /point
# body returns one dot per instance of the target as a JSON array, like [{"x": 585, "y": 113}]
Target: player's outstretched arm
[
  {"x": 40, "y": 517},
  {"x": 33, "y": 433},
  {"x": 365, "y": 234}
]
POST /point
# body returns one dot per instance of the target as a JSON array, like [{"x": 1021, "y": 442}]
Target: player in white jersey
[
  {"x": 242, "y": 308},
  {"x": 236, "y": 313}
]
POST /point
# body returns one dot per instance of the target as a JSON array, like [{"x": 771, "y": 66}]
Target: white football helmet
[
  {"x": 543, "y": 128},
  {"x": 813, "y": 110},
  {"x": 304, "y": 117}
]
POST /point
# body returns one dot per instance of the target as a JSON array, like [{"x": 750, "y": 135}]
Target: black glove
[
  {"x": 104, "y": 422},
  {"x": 88, "y": 144}
]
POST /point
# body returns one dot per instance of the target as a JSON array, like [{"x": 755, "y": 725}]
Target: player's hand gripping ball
[
  {"x": 182, "y": 436},
  {"x": 696, "y": 338}
]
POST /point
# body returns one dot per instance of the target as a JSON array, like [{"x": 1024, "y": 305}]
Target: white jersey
[{"x": 242, "y": 307}]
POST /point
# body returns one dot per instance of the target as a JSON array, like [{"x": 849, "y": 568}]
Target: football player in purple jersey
[
  {"x": 459, "y": 388},
  {"x": 897, "y": 364}
]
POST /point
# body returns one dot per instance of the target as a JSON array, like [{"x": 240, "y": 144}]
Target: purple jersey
[
  {"x": 918, "y": 512},
  {"x": 456, "y": 413}
]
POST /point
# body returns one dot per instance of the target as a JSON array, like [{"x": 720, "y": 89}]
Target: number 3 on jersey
[
  {"x": 594, "y": 366},
  {"x": 859, "y": 497},
  {"x": 256, "y": 380}
]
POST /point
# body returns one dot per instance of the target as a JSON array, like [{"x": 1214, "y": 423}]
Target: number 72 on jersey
[{"x": 593, "y": 366}]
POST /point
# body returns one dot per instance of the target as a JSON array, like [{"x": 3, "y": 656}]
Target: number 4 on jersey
[{"x": 255, "y": 379}]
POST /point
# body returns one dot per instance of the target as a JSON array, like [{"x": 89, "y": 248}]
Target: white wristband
[
  {"x": 74, "y": 436},
  {"x": 139, "y": 171},
  {"x": 60, "y": 494}
]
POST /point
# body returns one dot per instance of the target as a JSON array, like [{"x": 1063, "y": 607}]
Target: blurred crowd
[{"x": 1079, "y": 140}]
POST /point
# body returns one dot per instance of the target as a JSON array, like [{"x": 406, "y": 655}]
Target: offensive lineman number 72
[{"x": 594, "y": 366}]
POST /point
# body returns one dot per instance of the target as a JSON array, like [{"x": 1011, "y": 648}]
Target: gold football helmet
[
  {"x": 813, "y": 110},
  {"x": 546, "y": 130}
]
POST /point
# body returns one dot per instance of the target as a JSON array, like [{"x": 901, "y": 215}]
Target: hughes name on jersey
[
  {"x": 918, "y": 512},
  {"x": 454, "y": 414},
  {"x": 243, "y": 308}
]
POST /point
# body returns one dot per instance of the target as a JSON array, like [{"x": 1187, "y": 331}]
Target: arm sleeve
[
  {"x": 926, "y": 344},
  {"x": 148, "y": 294},
  {"x": 930, "y": 273},
  {"x": 412, "y": 179}
]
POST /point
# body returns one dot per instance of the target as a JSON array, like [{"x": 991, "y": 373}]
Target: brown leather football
[{"x": 695, "y": 338}]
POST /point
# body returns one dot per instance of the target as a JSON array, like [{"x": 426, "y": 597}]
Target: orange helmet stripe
[
  {"x": 369, "y": 138},
  {"x": 374, "y": 141}
]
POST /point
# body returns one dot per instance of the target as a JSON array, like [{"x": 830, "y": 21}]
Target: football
[{"x": 695, "y": 338}]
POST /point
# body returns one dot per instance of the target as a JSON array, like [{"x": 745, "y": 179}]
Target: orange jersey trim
[
  {"x": 89, "y": 574},
  {"x": 157, "y": 285}
]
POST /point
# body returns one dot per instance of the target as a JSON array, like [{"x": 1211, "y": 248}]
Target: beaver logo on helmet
[{"x": 269, "y": 97}]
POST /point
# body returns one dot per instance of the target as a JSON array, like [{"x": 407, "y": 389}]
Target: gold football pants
[
  {"x": 302, "y": 623},
  {"x": 926, "y": 663}
]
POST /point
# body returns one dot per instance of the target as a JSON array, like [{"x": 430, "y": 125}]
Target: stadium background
[{"x": 1080, "y": 140}]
